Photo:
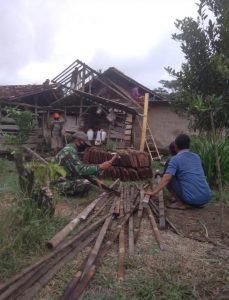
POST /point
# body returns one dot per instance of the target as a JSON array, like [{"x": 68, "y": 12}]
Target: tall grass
[
  {"x": 24, "y": 229},
  {"x": 204, "y": 147}
]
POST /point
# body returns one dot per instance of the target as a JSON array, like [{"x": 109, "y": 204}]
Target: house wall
[{"x": 164, "y": 123}]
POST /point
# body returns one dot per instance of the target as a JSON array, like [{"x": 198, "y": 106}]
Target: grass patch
[
  {"x": 144, "y": 285},
  {"x": 24, "y": 231},
  {"x": 8, "y": 177}
]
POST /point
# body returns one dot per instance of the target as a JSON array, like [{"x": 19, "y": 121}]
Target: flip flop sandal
[{"x": 173, "y": 206}]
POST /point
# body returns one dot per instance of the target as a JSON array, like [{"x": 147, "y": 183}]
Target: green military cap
[{"x": 80, "y": 135}]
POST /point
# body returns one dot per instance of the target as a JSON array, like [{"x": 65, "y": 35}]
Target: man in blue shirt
[{"x": 184, "y": 177}]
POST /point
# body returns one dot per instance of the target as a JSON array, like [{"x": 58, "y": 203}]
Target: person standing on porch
[{"x": 56, "y": 127}]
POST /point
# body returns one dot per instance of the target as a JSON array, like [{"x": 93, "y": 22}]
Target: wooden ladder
[{"x": 150, "y": 141}]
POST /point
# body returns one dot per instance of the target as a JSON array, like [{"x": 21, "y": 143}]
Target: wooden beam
[{"x": 144, "y": 122}]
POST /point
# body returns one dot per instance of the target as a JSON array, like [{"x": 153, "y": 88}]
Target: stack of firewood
[{"x": 131, "y": 165}]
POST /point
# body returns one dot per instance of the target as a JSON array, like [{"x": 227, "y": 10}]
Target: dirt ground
[{"x": 196, "y": 223}]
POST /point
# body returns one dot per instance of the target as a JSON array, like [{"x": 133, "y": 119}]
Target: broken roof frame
[{"x": 86, "y": 76}]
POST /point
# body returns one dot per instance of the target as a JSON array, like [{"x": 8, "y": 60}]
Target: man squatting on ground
[
  {"x": 76, "y": 171},
  {"x": 184, "y": 177}
]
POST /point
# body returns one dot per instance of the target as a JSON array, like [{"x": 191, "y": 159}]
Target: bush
[{"x": 205, "y": 149}]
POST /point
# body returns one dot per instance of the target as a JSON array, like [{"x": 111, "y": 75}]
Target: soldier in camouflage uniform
[{"x": 76, "y": 172}]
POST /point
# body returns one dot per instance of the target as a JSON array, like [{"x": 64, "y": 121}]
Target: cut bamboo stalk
[
  {"x": 121, "y": 253},
  {"x": 139, "y": 217},
  {"x": 161, "y": 206},
  {"x": 156, "y": 211},
  {"x": 146, "y": 200},
  {"x": 80, "y": 288},
  {"x": 122, "y": 203},
  {"x": 116, "y": 212},
  {"x": 72, "y": 285},
  {"x": 155, "y": 229},
  {"x": 131, "y": 236}
]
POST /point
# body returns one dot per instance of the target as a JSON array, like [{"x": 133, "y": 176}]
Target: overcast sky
[{"x": 40, "y": 38}]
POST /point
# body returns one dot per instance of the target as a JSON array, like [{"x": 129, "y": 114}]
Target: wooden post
[{"x": 144, "y": 122}]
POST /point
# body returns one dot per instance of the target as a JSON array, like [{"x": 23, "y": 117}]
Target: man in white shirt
[{"x": 90, "y": 135}]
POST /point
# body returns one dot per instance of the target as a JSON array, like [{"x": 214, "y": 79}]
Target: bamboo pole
[
  {"x": 156, "y": 211},
  {"x": 155, "y": 229},
  {"x": 131, "y": 223},
  {"x": 131, "y": 236},
  {"x": 99, "y": 241},
  {"x": 139, "y": 217},
  {"x": 121, "y": 252},
  {"x": 161, "y": 206},
  {"x": 144, "y": 122}
]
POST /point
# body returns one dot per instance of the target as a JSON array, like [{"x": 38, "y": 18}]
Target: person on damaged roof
[{"x": 75, "y": 182}]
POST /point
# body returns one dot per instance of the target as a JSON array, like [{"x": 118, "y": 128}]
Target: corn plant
[{"x": 205, "y": 148}]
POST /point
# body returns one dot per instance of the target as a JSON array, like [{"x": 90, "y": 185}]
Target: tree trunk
[{"x": 25, "y": 177}]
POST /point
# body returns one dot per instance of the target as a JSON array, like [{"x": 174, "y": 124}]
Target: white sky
[{"x": 39, "y": 38}]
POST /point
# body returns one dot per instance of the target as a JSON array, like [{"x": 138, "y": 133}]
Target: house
[
  {"x": 34, "y": 98},
  {"x": 87, "y": 98}
]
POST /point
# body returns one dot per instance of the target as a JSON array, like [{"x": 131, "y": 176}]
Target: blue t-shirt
[{"x": 186, "y": 167}]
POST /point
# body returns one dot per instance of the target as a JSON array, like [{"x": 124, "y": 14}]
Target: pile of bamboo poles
[{"x": 120, "y": 214}]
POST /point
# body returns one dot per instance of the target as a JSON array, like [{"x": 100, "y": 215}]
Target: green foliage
[
  {"x": 23, "y": 233},
  {"x": 204, "y": 43},
  {"x": 25, "y": 122},
  {"x": 42, "y": 172},
  {"x": 200, "y": 107},
  {"x": 111, "y": 146},
  {"x": 205, "y": 148}
]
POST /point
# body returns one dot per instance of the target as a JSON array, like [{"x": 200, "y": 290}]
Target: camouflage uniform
[{"x": 76, "y": 171}]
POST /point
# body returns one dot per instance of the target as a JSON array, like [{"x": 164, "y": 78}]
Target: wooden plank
[
  {"x": 129, "y": 126},
  {"x": 128, "y": 132},
  {"x": 131, "y": 235},
  {"x": 121, "y": 252},
  {"x": 117, "y": 135},
  {"x": 144, "y": 122},
  {"x": 129, "y": 117},
  {"x": 154, "y": 226},
  {"x": 139, "y": 217},
  {"x": 161, "y": 206},
  {"x": 127, "y": 137}
]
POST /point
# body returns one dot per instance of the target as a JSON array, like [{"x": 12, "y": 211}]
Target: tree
[{"x": 205, "y": 44}]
